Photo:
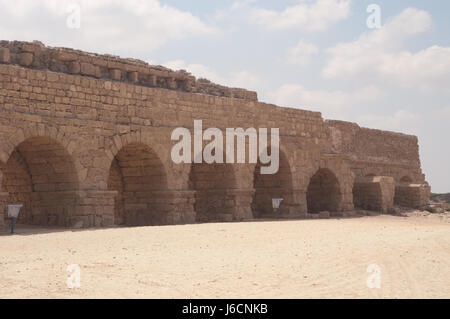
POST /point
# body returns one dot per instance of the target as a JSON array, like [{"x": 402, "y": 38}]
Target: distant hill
[{"x": 440, "y": 198}]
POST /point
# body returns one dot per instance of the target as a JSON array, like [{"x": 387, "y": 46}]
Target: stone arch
[
  {"x": 10, "y": 143},
  {"x": 139, "y": 177},
  {"x": 40, "y": 172},
  {"x": 151, "y": 138},
  {"x": 324, "y": 192},
  {"x": 268, "y": 187}
]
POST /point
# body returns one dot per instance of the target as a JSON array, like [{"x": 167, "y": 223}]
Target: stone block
[
  {"x": 133, "y": 76},
  {"x": 90, "y": 69},
  {"x": 74, "y": 67},
  {"x": 115, "y": 74},
  {"x": 5, "y": 56},
  {"x": 412, "y": 195},
  {"x": 172, "y": 84},
  {"x": 67, "y": 56},
  {"x": 153, "y": 80},
  {"x": 374, "y": 193},
  {"x": 26, "y": 58}
]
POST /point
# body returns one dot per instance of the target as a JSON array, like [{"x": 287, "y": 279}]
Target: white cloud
[
  {"x": 427, "y": 69},
  {"x": 241, "y": 79},
  {"x": 378, "y": 54},
  {"x": 301, "y": 53},
  {"x": 310, "y": 16},
  {"x": 402, "y": 120},
  {"x": 238, "y": 5},
  {"x": 106, "y": 25},
  {"x": 333, "y": 104}
]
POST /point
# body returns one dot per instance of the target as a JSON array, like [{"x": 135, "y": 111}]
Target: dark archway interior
[
  {"x": 213, "y": 183},
  {"x": 323, "y": 192},
  {"x": 41, "y": 175},
  {"x": 138, "y": 175},
  {"x": 269, "y": 186}
]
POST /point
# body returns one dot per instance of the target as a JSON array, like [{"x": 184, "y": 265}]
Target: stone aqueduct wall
[{"x": 85, "y": 141}]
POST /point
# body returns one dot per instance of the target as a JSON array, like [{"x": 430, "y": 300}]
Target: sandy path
[{"x": 286, "y": 259}]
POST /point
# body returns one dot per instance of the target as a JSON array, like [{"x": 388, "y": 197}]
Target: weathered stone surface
[
  {"x": 95, "y": 65},
  {"x": 5, "y": 56},
  {"x": 374, "y": 193},
  {"x": 133, "y": 76},
  {"x": 412, "y": 195},
  {"x": 66, "y": 56},
  {"x": 3, "y": 202},
  {"x": 74, "y": 67},
  {"x": 83, "y": 151},
  {"x": 89, "y": 69},
  {"x": 26, "y": 58},
  {"x": 115, "y": 74},
  {"x": 152, "y": 80}
]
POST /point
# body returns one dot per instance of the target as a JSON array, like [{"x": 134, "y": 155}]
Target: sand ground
[{"x": 273, "y": 259}]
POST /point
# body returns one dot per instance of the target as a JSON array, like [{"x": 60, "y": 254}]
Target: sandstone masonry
[{"x": 85, "y": 141}]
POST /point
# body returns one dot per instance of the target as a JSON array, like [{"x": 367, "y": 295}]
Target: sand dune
[{"x": 273, "y": 259}]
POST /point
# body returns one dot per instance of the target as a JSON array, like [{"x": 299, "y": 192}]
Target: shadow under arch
[
  {"x": 270, "y": 186},
  {"x": 324, "y": 193},
  {"x": 213, "y": 185},
  {"x": 41, "y": 174},
  {"x": 138, "y": 175}
]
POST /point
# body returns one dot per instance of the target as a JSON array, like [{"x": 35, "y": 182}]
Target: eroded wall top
[{"x": 38, "y": 56}]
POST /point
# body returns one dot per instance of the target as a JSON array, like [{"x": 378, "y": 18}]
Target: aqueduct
[{"x": 85, "y": 141}]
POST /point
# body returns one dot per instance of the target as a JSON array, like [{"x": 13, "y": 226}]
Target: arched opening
[
  {"x": 213, "y": 185},
  {"x": 406, "y": 179},
  {"x": 138, "y": 175},
  {"x": 324, "y": 192},
  {"x": 270, "y": 186},
  {"x": 41, "y": 175}
]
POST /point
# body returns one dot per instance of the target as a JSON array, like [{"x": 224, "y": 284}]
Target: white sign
[
  {"x": 14, "y": 210},
  {"x": 374, "y": 279},
  {"x": 276, "y": 202},
  {"x": 74, "y": 280}
]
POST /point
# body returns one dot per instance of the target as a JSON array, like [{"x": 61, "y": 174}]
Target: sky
[{"x": 319, "y": 55}]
